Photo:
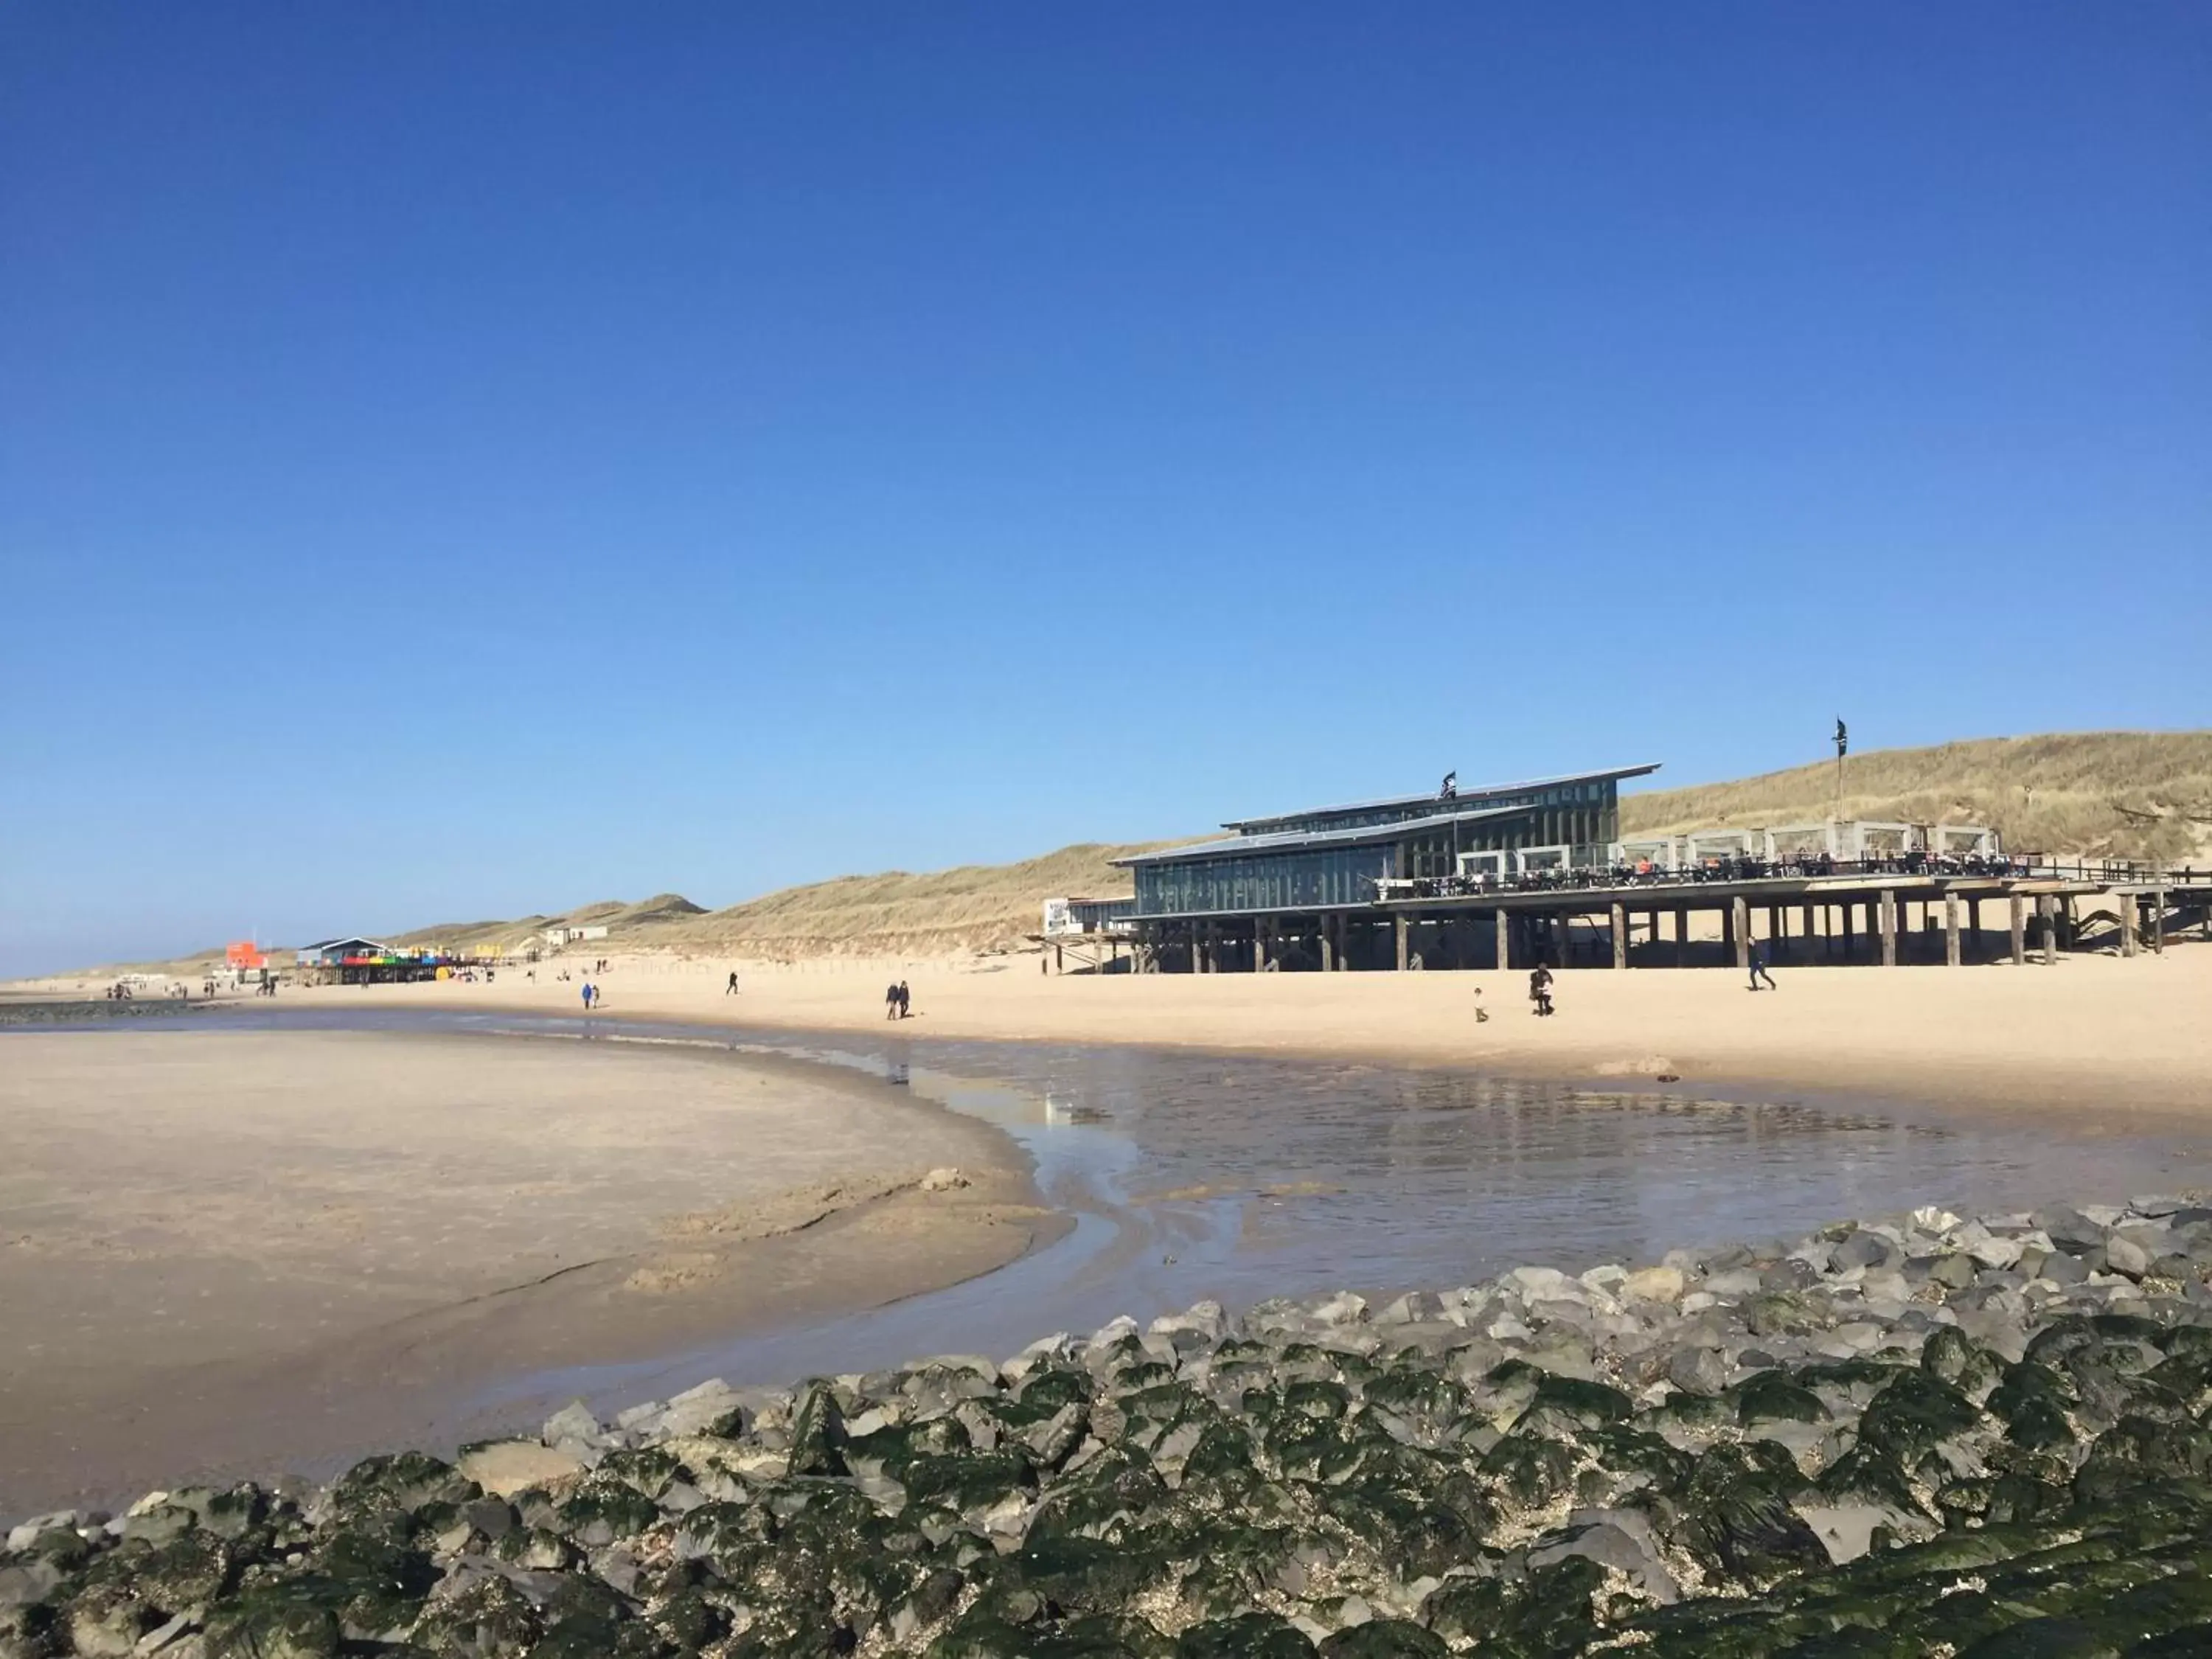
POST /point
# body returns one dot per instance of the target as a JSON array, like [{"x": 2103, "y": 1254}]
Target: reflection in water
[{"x": 1193, "y": 1176}]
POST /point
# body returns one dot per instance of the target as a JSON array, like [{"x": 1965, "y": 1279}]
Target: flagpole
[{"x": 1843, "y": 744}]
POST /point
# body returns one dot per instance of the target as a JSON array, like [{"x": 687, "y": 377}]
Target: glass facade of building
[
  {"x": 1582, "y": 813},
  {"x": 1264, "y": 881}
]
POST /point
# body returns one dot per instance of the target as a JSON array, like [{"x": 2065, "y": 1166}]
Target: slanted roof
[
  {"x": 1293, "y": 840},
  {"x": 1475, "y": 794},
  {"x": 329, "y": 945}
]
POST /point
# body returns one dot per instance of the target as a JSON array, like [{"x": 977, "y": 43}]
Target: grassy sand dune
[
  {"x": 973, "y": 907},
  {"x": 610, "y": 914},
  {"x": 2123, "y": 794}
]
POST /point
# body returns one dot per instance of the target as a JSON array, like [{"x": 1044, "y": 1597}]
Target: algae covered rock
[{"x": 1916, "y": 1436}]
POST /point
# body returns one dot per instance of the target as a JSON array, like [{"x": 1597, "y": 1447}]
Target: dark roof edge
[
  {"x": 1291, "y": 840},
  {"x": 1614, "y": 772}
]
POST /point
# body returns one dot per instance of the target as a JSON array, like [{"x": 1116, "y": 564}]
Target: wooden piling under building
[{"x": 1801, "y": 921}]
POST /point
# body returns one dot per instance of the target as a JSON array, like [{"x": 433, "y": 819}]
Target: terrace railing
[{"x": 1913, "y": 864}]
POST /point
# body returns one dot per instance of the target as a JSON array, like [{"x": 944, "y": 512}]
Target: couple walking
[{"x": 897, "y": 1002}]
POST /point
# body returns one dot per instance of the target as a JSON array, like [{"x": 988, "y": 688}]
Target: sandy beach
[
  {"x": 2124, "y": 1040},
  {"x": 235, "y": 1250},
  {"x": 226, "y": 1251}
]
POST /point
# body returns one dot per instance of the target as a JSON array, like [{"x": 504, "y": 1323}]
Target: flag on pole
[{"x": 1843, "y": 738}]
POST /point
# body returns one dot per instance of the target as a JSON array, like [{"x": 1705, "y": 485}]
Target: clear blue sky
[{"x": 463, "y": 459}]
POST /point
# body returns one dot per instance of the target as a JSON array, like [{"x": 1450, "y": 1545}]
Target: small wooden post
[
  {"x": 2127, "y": 908},
  {"x": 1058, "y": 963},
  {"x": 1505, "y": 940},
  {"x": 1889, "y": 928},
  {"x": 1400, "y": 919},
  {"x": 1619, "y": 935},
  {"x": 1950, "y": 930},
  {"x": 2019, "y": 920}
]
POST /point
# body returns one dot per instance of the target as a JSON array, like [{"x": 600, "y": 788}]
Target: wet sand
[
  {"x": 242, "y": 1252},
  {"x": 2121, "y": 1040}
]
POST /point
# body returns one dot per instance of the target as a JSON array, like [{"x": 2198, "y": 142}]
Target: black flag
[
  {"x": 1843, "y": 738},
  {"x": 1450, "y": 787}
]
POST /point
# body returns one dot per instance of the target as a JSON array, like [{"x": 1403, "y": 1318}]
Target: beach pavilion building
[
  {"x": 1513, "y": 875},
  {"x": 1299, "y": 889}
]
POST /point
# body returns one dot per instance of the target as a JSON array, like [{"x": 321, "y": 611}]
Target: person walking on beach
[
  {"x": 905, "y": 1000},
  {"x": 1758, "y": 958},
  {"x": 589, "y": 996},
  {"x": 1539, "y": 990},
  {"x": 1481, "y": 1014},
  {"x": 890, "y": 1001},
  {"x": 730, "y": 989}
]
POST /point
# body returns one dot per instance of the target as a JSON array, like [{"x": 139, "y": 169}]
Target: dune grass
[
  {"x": 972, "y": 907},
  {"x": 2119, "y": 794}
]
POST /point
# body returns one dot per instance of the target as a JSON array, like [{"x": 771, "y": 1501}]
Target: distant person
[
  {"x": 891, "y": 1000},
  {"x": 905, "y": 1001},
  {"x": 730, "y": 989},
  {"x": 1481, "y": 1014},
  {"x": 1758, "y": 958},
  {"x": 587, "y": 996},
  {"x": 1539, "y": 990}
]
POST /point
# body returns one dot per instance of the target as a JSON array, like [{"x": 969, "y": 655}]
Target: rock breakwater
[{"x": 1924, "y": 1436}]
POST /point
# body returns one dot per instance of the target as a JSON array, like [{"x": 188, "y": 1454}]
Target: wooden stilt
[
  {"x": 1739, "y": 925},
  {"x": 2128, "y": 916},
  {"x": 1888, "y": 927},
  {"x": 1619, "y": 935},
  {"x": 1505, "y": 925},
  {"x": 2046, "y": 911},
  {"x": 1403, "y": 953},
  {"x": 1327, "y": 945},
  {"x": 1681, "y": 934},
  {"x": 1951, "y": 956},
  {"x": 2158, "y": 920},
  {"x": 2018, "y": 918}
]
